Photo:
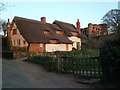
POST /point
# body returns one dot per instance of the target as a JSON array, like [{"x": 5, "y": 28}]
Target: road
[{"x": 22, "y": 74}]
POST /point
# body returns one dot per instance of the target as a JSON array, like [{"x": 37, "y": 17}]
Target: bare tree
[
  {"x": 112, "y": 19},
  {"x": 4, "y": 27},
  {"x": 2, "y": 6}
]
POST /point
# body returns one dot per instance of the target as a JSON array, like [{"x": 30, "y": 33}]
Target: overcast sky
[{"x": 87, "y": 12}]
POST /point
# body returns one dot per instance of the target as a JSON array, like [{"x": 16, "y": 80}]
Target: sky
[{"x": 86, "y": 12}]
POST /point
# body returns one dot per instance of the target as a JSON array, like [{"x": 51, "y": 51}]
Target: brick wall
[
  {"x": 35, "y": 47},
  {"x": 97, "y": 30}
]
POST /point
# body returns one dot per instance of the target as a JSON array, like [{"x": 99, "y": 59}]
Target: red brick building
[
  {"x": 95, "y": 30},
  {"x": 42, "y": 36}
]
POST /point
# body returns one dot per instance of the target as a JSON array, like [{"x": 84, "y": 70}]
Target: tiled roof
[
  {"x": 33, "y": 31},
  {"x": 67, "y": 27}
]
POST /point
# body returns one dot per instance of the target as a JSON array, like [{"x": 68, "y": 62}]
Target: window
[
  {"x": 24, "y": 42},
  {"x": 46, "y": 32},
  {"x": 41, "y": 44},
  {"x": 53, "y": 41},
  {"x": 14, "y": 31},
  {"x": 101, "y": 33},
  {"x": 14, "y": 42},
  {"x": 18, "y": 42},
  {"x": 59, "y": 32}
]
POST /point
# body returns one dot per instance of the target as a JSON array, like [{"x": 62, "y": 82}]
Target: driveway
[{"x": 18, "y": 73}]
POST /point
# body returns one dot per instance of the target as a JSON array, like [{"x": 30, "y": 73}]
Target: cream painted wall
[
  {"x": 17, "y": 37},
  {"x": 70, "y": 46},
  {"x": 75, "y": 40},
  {"x": 57, "y": 47}
]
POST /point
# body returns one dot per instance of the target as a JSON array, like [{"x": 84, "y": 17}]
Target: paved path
[{"x": 22, "y": 74}]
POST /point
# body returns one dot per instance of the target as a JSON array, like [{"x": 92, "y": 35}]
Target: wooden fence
[{"x": 87, "y": 67}]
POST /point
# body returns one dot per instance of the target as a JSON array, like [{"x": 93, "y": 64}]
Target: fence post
[{"x": 59, "y": 63}]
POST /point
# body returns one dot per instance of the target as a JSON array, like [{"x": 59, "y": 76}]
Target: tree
[
  {"x": 112, "y": 19},
  {"x": 110, "y": 60},
  {"x": 2, "y": 6},
  {"x": 4, "y": 27}
]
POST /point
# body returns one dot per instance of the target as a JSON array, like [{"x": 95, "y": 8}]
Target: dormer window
[
  {"x": 74, "y": 33},
  {"x": 14, "y": 31},
  {"x": 53, "y": 41},
  {"x": 59, "y": 32},
  {"x": 46, "y": 32}
]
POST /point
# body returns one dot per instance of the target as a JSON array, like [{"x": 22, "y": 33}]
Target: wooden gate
[{"x": 87, "y": 67}]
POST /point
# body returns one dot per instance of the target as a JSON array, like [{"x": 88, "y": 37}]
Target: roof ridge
[
  {"x": 63, "y": 22},
  {"x": 31, "y": 20}
]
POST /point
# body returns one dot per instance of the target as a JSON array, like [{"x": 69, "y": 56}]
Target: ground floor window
[
  {"x": 18, "y": 42},
  {"x": 14, "y": 43}
]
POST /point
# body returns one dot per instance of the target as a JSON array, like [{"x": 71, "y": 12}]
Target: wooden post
[{"x": 59, "y": 63}]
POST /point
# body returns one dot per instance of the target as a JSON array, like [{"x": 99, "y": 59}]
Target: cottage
[
  {"x": 42, "y": 36},
  {"x": 72, "y": 32}
]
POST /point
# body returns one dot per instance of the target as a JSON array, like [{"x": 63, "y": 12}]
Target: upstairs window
[
  {"x": 46, "y": 32},
  {"x": 14, "y": 31},
  {"x": 101, "y": 33},
  {"x": 24, "y": 42},
  {"x": 59, "y": 32},
  {"x": 53, "y": 41}
]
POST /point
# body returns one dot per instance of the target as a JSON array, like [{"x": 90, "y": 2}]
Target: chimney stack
[
  {"x": 78, "y": 25},
  {"x": 8, "y": 23},
  {"x": 43, "y": 19},
  {"x": 9, "y": 34},
  {"x": 8, "y": 29}
]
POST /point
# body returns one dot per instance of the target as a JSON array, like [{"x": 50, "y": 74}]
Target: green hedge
[
  {"x": 47, "y": 62},
  {"x": 110, "y": 60},
  {"x": 88, "y": 52}
]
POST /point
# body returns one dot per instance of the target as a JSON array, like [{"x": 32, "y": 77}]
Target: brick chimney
[
  {"x": 9, "y": 34},
  {"x": 78, "y": 25},
  {"x": 43, "y": 19},
  {"x": 8, "y": 28}
]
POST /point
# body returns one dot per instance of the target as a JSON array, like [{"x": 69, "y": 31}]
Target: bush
[
  {"x": 110, "y": 60},
  {"x": 47, "y": 62},
  {"x": 88, "y": 52}
]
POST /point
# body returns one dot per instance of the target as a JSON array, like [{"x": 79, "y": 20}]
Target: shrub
[
  {"x": 47, "y": 62},
  {"x": 110, "y": 60},
  {"x": 88, "y": 52}
]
